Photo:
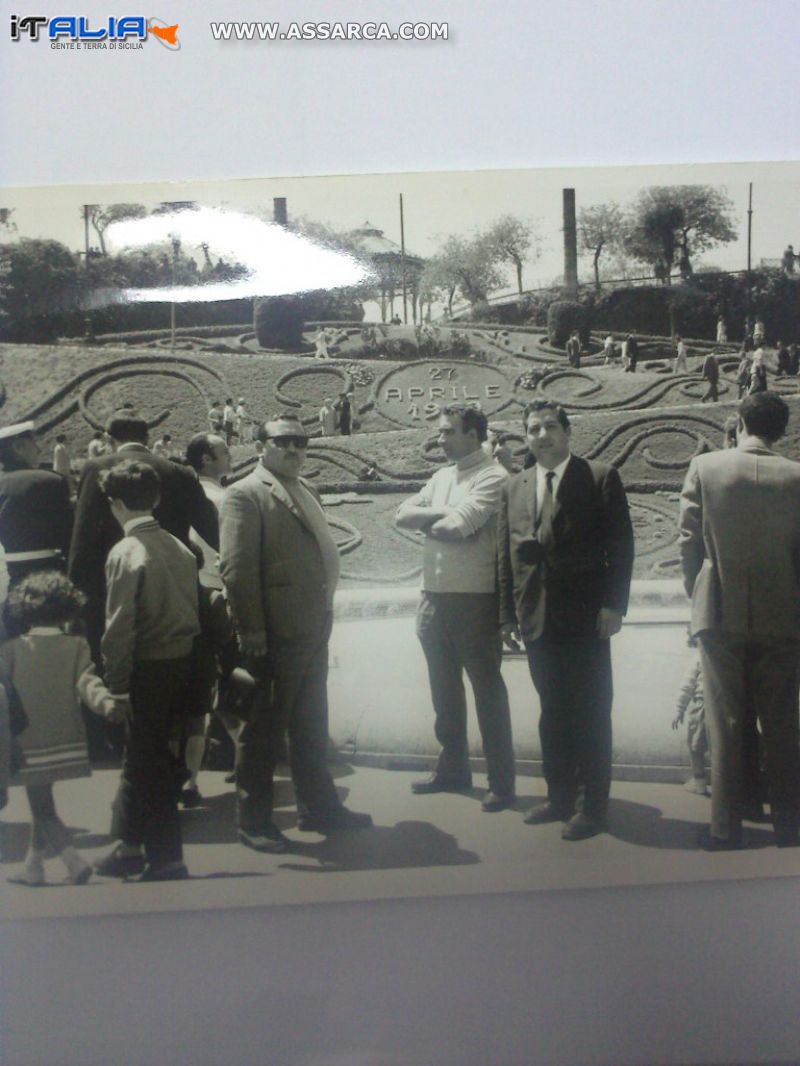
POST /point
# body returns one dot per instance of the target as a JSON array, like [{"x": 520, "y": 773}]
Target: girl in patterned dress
[{"x": 48, "y": 671}]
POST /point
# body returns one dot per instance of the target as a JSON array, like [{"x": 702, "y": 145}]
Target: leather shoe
[
  {"x": 708, "y": 842},
  {"x": 115, "y": 864},
  {"x": 581, "y": 827},
  {"x": 434, "y": 783},
  {"x": 494, "y": 802},
  {"x": 328, "y": 821},
  {"x": 543, "y": 814},
  {"x": 172, "y": 871},
  {"x": 268, "y": 839}
]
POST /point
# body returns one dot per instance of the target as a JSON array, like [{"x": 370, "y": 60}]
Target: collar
[
  {"x": 755, "y": 444},
  {"x": 45, "y": 631},
  {"x": 209, "y": 481},
  {"x": 132, "y": 446},
  {"x": 541, "y": 472},
  {"x": 134, "y": 523},
  {"x": 473, "y": 459}
]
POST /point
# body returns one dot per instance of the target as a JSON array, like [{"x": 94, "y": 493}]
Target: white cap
[{"x": 16, "y": 430}]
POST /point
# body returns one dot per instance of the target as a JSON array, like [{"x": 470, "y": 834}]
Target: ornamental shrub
[
  {"x": 563, "y": 317},
  {"x": 279, "y": 322}
]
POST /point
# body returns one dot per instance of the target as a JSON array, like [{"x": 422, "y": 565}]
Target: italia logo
[{"x": 76, "y": 30}]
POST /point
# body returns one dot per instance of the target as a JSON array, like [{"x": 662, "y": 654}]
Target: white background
[{"x": 706, "y": 973}]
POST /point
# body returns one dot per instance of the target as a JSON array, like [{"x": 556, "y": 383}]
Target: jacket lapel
[
  {"x": 566, "y": 487},
  {"x": 528, "y": 489},
  {"x": 280, "y": 493}
]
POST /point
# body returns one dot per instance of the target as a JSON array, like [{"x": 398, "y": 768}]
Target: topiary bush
[
  {"x": 563, "y": 317},
  {"x": 279, "y": 322}
]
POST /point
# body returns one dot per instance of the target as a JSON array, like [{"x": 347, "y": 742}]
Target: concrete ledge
[{"x": 380, "y": 706}]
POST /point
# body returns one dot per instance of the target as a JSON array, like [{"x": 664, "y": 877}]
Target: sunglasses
[{"x": 290, "y": 438}]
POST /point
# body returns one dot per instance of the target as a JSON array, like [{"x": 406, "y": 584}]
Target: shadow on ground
[{"x": 405, "y": 845}]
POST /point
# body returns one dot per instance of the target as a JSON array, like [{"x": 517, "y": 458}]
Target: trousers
[
  {"x": 760, "y": 672},
  {"x": 459, "y": 632},
  {"x": 574, "y": 683},
  {"x": 147, "y": 803},
  {"x": 292, "y": 699}
]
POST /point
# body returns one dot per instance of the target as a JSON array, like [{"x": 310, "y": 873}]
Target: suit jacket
[
  {"x": 270, "y": 560},
  {"x": 740, "y": 541},
  {"x": 35, "y": 511},
  {"x": 587, "y": 566},
  {"x": 183, "y": 504}
]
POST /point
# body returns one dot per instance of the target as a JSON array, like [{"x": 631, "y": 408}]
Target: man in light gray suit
[
  {"x": 740, "y": 555},
  {"x": 280, "y": 566}
]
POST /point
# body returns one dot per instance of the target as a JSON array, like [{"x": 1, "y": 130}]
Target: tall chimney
[
  {"x": 279, "y": 213},
  {"x": 570, "y": 245}
]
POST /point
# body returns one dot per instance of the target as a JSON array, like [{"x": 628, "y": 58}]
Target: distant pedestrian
[
  {"x": 682, "y": 352},
  {"x": 788, "y": 260},
  {"x": 783, "y": 357},
  {"x": 61, "y": 460},
  {"x": 722, "y": 330},
  {"x": 229, "y": 421},
  {"x": 758, "y": 373},
  {"x": 345, "y": 411},
  {"x": 743, "y": 373},
  {"x": 631, "y": 353},
  {"x": 573, "y": 349},
  {"x": 321, "y": 339},
  {"x": 327, "y": 417},
  {"x": 609, "y": 350},
  {"x": 163, "y": 446},
  {"x": 244, "y": 427},
  {"x": 759, "y": 333},
  {"x": 711, "y": 375},
  {"x": 794, "y": 359},
  {"x": 98, "y": 445},
  {"x": 215, "y": 418}
]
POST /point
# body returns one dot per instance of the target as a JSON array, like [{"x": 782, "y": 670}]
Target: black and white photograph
[{"x": 443, "y": 552}]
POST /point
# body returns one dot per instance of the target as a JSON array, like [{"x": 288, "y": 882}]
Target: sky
[{"x": 436, "y": 205}]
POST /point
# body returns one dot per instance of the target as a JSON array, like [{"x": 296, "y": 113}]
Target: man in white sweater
[{"x": 457, "y": 620}]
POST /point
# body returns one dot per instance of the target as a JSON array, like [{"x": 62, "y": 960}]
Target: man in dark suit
[
  {"x": 183, "y": 505},
  {"x": 740, "y": 555},
  {"x": 35, "y": 510},
  {"x": 565, "y": 545},
  {"x": 280, "y": 566}
]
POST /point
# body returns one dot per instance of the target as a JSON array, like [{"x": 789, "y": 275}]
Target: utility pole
[
  {"x": 88, "y": 331},
  {"x": 749, "y": 248},
  {"x": 570, "y": 244},
  {"x": 403, "y": 259}
]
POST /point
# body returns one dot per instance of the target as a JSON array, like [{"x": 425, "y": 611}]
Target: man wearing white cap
[{"x": 35, "y": 511}]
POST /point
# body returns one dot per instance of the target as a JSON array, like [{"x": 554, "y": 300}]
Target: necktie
[{"x": 544, "y": 529}]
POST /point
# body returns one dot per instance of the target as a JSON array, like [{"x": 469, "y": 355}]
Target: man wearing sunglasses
[{"x": 280, "y": 566}]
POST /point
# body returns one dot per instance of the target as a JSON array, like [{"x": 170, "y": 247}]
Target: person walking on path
[
  {"x": 681, "y": 357},
  {"x": 711, "y": 375}
]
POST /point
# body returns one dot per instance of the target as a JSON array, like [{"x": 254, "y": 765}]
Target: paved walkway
[{"x": 419, "y": 846}]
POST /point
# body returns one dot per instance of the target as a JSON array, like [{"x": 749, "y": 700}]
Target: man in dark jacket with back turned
[{"x": 182, "y": 505}]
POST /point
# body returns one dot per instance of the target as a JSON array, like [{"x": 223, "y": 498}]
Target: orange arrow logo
[{"x": 165, "y": 33}]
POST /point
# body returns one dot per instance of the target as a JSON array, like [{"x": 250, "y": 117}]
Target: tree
[
  {"x": 6, "y": 222},
  {"x": 675, "y": 222},
  {"x": 601, "y": 229},
  {"x": 101, "y": 217},
  {"x": 39, "y": 284},
  {"x": 468, "y": 265},
  {"x": 511, "y": 240}
]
